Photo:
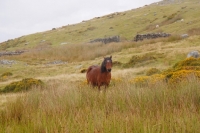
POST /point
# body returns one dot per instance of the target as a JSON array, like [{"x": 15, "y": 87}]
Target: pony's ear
[{"x": 111, "y": 57}]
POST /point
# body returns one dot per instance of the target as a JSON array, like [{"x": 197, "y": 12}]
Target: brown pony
[{"x": 100, "y": 75}]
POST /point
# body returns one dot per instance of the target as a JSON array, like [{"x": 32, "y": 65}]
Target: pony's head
[{"x": 106, "y": 65}]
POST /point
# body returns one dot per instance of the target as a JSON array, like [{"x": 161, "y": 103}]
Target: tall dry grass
[
  {"x": 80, "y": 52},
  {"x": 76, "y": 52},
  {"x": 70, "y": 108}
]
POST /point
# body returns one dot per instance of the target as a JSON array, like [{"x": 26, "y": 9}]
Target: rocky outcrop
[
  {"x": 141, "y": 37},
  {"x": 7, "y": 62},
  {"x": 107, "y": 40},
  {"x": 11, "y": 53}
]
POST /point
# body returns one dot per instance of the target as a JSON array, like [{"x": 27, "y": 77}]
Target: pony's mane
[{"x": 103, "y": 64}]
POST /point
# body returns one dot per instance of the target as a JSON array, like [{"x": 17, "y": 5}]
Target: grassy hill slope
[
  {"x": 43, "y": 49},
  {"x": 175, "y": 18}
]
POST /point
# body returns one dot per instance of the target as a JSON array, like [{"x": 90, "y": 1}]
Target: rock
[
  {"x": 11, "y": 53},
  {"x": 184, "y": 36},
  {"x": 63, "y": 43},
  {"x": 194, "y": 54},
  {"x": 140, "y": 37},
  {"x": 7, "y": 62},
  {"x": 79, "y": 67},
  {"x": 56, "y": 62},
  {"x": 107, "y": 40},
  {"x": 42, "y": 41}
]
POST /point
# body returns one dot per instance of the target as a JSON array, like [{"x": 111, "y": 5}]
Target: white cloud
[{"x": 21, "y": 17}]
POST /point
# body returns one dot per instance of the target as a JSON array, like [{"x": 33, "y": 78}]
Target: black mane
[{"x": 103, "y": 64}]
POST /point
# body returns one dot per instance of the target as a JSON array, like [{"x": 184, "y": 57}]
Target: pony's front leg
[
  {"x": 106, "y": 85},
  {"x": 99, "y": 85}
]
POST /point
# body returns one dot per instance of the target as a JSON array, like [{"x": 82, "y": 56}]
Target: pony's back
[{"x": 92, "y": 74}]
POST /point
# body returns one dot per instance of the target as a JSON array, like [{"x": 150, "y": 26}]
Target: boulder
[
  {"x": 184, "y": 36},
  {"x": 194, "y": 54}
]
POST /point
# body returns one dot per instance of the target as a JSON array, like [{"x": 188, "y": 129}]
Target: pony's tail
[{"x": 88, "y": 70}]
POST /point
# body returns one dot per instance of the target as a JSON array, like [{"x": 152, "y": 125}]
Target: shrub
[
  {"x": 152, "y": 71},
  {"x": 22, "y": 85},
  {"x": 157, "y": 78},
  {"x": 140, "y": 81},
  {"x": 173, "y": 38},
  {"x": 180, "y": 72},
  {"x": 117, "y": 63},
  {"x": 6, "y": 74},
  {"x": 188, "y": 64},
  {"x": 143, "y": 81},
  {"x": 139, "y": 59},
  {"x": 182, "y": 75}
]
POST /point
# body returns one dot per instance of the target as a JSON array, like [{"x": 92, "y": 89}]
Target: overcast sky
[{"x": 22, "y": 17}]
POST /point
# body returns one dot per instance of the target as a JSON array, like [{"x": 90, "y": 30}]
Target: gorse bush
[
  {"x": 144, "y": 81},
  {"x": 182, "y": 75},
  {"x": 188, "y": 64},
  {"x": 22, "y": 85},
  {"x": 181, "y": 72},
  {"x": 183, "y": 69}
]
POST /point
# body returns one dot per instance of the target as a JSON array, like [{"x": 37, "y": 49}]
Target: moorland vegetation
[{"x": 154, "y": 86}]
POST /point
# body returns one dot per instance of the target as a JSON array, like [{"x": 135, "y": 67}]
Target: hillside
[
  {"x": 172, "y": 17},
  {"x": 66, "y": 50}
]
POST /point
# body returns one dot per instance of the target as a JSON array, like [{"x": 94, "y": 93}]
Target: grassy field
[
  {"x": 67, "y": 104},
  {"x": 69, "y": 107}
]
